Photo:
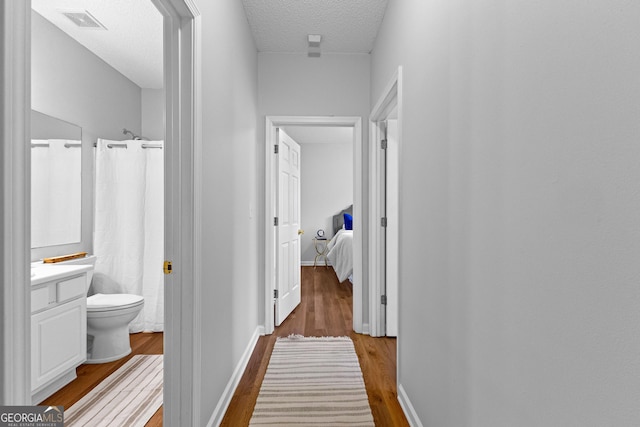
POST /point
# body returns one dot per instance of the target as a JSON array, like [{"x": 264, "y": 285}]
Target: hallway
[{"x": 325, "y": 310}]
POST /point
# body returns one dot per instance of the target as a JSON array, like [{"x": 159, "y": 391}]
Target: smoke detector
[
  {"x": 314, "y": 40},
  {"x": 314, "y": 44},
  {"x": 83, "y": 19}
]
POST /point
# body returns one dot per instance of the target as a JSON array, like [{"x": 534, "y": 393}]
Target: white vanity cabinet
[{"x": 58, "y": 329}]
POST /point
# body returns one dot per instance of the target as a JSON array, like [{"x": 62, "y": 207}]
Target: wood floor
[
  {"x": 90, "y": 376},
  {"x": 325, "y": 310}
]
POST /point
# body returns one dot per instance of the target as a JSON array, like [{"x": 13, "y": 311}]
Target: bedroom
[{"x": 326, "y": 184}]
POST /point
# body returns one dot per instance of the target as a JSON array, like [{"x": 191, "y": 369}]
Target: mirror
[{"x": 56, "y": 180}]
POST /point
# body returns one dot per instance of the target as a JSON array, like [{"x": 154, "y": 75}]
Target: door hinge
[
  {"x": 275, "y": 221},
  {"x": 275, "y": 149},
  {"x": 167, "y": 267},
  {"x": 383, "y": 144},
  {"x": 383, "y": 299},
  {"x": 275, "y": 293},
  {"x": 383, "y": 221}
]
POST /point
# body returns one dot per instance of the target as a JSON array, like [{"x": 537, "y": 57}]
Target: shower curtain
[{"x": 129, "y": 226}]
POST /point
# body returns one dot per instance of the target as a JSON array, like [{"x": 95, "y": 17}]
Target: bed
[
  {"x": 338, "y": 219},
  {"x": 340, "y": 247}
]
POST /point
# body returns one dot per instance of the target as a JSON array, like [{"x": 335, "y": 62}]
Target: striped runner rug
[
  {"x": 128, "y": 397},
  {"x": 313, "y": 381}
]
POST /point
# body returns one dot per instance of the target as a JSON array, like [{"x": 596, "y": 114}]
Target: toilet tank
[{"x": 88, "y": 260}]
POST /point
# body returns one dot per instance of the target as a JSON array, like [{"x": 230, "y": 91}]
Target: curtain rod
[
  {"x": 124, "y": 145},
  {"x": 46, "y": 144}
]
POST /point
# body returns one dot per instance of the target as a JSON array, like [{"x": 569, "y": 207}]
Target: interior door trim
[
  {"x": 390, "y": 99},
  {"x": 15, "y": 181},
  {"x": 272, "y": 123}
]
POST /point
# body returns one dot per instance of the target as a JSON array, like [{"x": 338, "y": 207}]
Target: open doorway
[
  {"x": 323, "y": 190},
  {"x": 180, "y": 35},
  {"x": 271, "y": 264},
  {"x": 89, "y": 68}
]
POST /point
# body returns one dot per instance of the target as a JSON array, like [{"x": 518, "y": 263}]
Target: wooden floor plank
[{"x": 322, "y": 292}]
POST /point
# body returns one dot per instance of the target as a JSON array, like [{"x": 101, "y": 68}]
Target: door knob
[{"x": 300, "y": 232}]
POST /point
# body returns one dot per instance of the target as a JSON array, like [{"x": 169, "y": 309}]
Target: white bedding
[{"x": 341, "y": 254}]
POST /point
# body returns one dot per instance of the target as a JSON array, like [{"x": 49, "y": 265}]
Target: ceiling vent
[{"x": 83, "y": 19}]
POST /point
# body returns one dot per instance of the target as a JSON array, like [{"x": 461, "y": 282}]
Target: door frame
[
  {"x": 183, "y": 195},
  {"x": 182, "y": 46},
  {"x": 15, "y": 180},
  {"x": 390, "y": 99},
  {"x": 273, "y": 122}
]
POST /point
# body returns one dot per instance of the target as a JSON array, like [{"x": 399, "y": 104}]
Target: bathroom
[{"x": 74, "y": 89}]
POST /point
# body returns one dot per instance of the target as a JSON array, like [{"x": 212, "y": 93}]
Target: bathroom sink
[{"x": 41, "y": 273}]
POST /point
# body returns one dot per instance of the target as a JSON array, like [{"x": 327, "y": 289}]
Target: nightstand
[{"x": 320, "y": 244}]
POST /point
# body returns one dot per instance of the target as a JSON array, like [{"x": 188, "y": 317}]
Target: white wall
[
  {"x": 152, "y": 117},
  {"x": 519, "y": 236},
  {"x": 72, "y": 84},
  {"x": 326, "y": 183},
  {"x": 296, "y": 85},
  {"x": 229, "y": 297}
]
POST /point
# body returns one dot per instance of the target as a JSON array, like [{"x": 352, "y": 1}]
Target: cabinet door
[{"x": 58, "y": 341}]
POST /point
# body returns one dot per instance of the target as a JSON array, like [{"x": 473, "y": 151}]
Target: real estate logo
[{"x": 31, "y": 416}]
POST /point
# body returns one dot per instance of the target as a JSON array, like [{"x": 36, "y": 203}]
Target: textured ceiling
[
  {"x": 346, "y": 26},
  {"x": 132, "y": 43},
  {"x": 320, "y": 134}
]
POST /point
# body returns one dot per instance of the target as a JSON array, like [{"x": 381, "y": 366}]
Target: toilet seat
[{"x": 109, "y": 302}]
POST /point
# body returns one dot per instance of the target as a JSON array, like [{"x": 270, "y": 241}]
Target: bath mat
[
  {"x": 128, "y": 397},
  {"x": 313, "y": 381}
]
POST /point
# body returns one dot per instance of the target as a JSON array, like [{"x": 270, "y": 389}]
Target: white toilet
[{"x": 108, "y": 318}]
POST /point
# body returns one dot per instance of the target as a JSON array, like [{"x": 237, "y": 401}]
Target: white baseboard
[
  {"x": 407, "y": 408},
  {"x": 230, "y": 389},
  {"x": 310, "y": 263},
  {"x": 365, "y": 329}
]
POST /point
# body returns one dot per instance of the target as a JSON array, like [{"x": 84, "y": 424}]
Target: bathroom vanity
[{"x": 58, "y": 326}]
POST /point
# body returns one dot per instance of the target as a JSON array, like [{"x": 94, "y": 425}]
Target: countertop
[{"x": 41, "y": 273}]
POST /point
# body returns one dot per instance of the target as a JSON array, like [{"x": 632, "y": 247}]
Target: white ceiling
[
  {"x": 132, "y": 43},
  {"x": 346, "y": 26},
  {"x": 320, "y": 134}
]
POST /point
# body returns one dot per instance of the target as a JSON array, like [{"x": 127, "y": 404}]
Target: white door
[
  {"x": 392, "y": 201},
  {"x": 287, "y": 296}
]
